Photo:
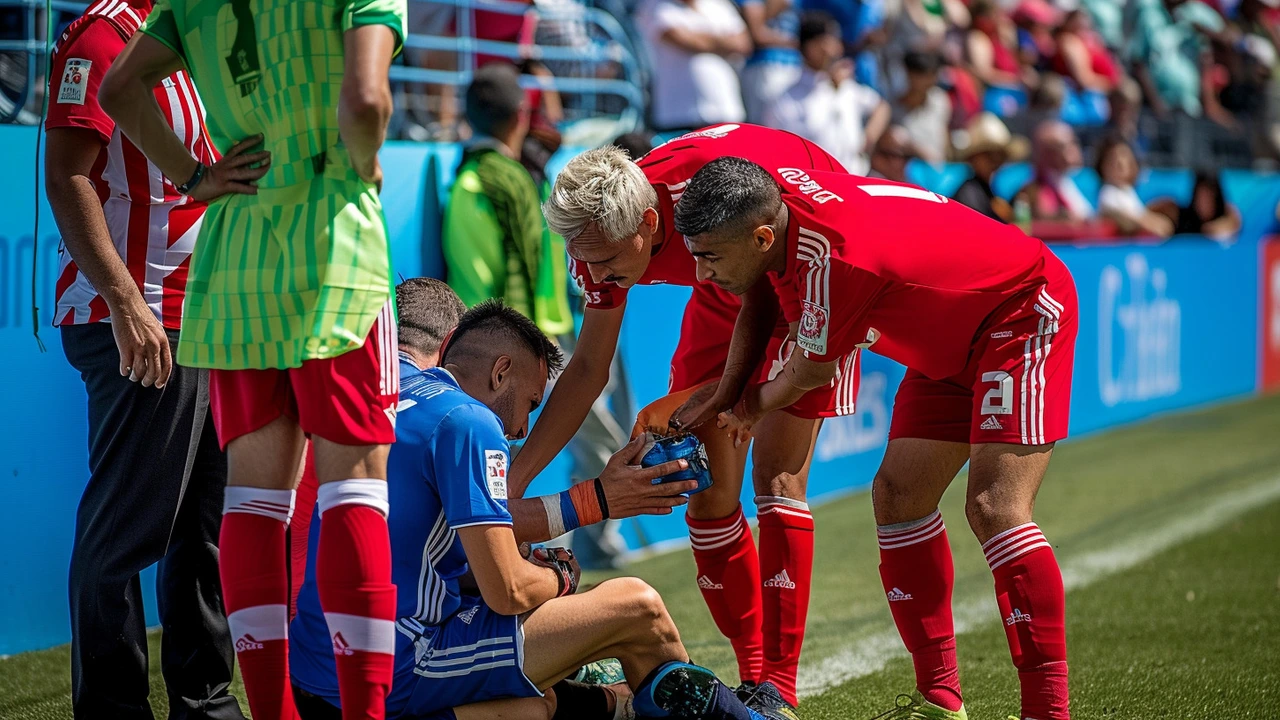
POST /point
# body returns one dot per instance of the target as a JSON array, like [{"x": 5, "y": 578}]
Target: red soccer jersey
[
  {"x": 669, "y": 167},
  {"x": 883, "y": 264},
  {"x": 152, "y": 225}
]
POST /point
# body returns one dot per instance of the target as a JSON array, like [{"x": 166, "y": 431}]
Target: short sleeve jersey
[
  {"x": 447, "y": 470},
  {"x": 669, "y": 168},
  {"x": 898, "y": 269}
]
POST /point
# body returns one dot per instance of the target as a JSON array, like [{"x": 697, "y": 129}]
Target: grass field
[{"x": 1169, "y": 537}]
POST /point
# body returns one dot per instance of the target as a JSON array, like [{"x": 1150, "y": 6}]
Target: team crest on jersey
[
  {"x": 495, "y": 470},
  {"x": 75, "y": 82},
  {"x": 812, "y": 335}
]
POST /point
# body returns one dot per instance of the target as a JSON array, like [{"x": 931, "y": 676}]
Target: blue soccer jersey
[{"x": 447, "y": 470}]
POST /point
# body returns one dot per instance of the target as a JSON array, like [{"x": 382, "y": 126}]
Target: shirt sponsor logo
[
  {"x": 812, "y": 335},
  {"x": 808, "y": 186},
  {"x": 495, "y": 470},
  {"x": 75, "y": 82}
]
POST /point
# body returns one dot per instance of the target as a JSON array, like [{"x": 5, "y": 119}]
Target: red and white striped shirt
[{"x": 152, "y": 225}]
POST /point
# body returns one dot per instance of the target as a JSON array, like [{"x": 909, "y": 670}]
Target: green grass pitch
[{"x": 1169, "y": 537}]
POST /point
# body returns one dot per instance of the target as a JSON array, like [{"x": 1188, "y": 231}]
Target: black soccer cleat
[{"x": 767, "y": 700}]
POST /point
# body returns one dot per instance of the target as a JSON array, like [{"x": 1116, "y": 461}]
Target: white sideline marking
[{"x": 872, "y": 653}]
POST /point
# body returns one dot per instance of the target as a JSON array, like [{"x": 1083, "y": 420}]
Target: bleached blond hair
[{"x": 600, "y": 186}]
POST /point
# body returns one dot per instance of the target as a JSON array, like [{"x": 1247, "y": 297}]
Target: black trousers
[{"x": 156, "y": 484}]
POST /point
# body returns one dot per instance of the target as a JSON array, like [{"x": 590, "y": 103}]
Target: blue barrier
[{"x": 1144, "y": 311}]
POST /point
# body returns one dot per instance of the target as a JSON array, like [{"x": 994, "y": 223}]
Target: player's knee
[
  {"x": 778, "y": 483},
  {"x": 988, "y": 514},
  {"x": 646, "y": 612},
  {"x": 718, "y": 501},
  {"x": 890, "y": 496}
]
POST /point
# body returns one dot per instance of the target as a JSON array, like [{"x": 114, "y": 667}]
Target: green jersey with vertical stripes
[{"x": 300, "y": 270}]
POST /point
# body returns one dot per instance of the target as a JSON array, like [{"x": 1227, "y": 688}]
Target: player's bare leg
[
  {"x": 1003, "y": 482},
  {"x": 781, "y": 455},
  {"x": 915, "y": 560},
  {"x": 262, "y": 469},
  {"x": 534, "y": 708},
  {"x": 353, "y": 570}
]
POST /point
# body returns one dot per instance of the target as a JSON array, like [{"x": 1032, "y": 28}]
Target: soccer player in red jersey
[
  {"x": 985, "y": 320},
  {"x": 616, "y": 217}
]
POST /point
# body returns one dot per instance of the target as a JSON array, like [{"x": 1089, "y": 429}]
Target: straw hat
[{"x": 986, "y": 133}]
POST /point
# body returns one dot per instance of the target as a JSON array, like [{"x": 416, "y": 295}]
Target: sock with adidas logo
[
  {"x": 786, "y": 565},
  {"x": 255, "y": 593},
  {"x": 729, "y": 578},
  {"x": 353, "y": 577},
  {"x": 1033, "y": 605},
  {"x": 917, "y": 572}
]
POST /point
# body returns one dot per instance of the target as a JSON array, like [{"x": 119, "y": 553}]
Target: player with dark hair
[
  {"x": 985, "y": 320},
  {"x": 616, "y": 217},
  {"x": 289, "y": 302},
  {"x": 520, "y": 629}
]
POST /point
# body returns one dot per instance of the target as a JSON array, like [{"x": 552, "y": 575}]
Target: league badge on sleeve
[
  {"x": 495, "y": 470},
  {"x": 812, "y": 335},
  {"x": 75, "y": 82}
]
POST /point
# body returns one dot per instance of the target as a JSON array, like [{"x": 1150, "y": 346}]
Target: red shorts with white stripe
[
  {"x": 349, "y": 399},
  {"x": 700, "y": 355},
  {"x": 1017, "y": 386}
]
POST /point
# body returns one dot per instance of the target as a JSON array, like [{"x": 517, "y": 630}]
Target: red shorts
[
  {"x": 349, "y": 399},
  {"x": 700, "y": 355},
  {"x": 1017, "y": 386}
]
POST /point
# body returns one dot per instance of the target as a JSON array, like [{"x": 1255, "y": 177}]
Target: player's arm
[
  {"x": 623, "y": 490},
  {"x": 571, "y": 399},
  {"x": 364, "y": 106},
  {"x": 509, "y": 584},
  {"x": 127, "y": 96},
  {"x": 800, "y": 375},
  {"x": 751, "y": 334}
]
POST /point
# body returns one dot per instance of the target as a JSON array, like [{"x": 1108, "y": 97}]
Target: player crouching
[{"x": 482, "y": 631}]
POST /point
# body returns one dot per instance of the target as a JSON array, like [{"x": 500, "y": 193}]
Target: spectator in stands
[
  {"x": 775, "y": 64},
  {"x": 826, "y": 105},
  {"x": 1052, "y": 194},
  {"x": 1125, "y": 108},
  {"x": 1082, "y": 56},
  {"x": 891, "y": 154},
  {"x": 992, "y": 49},
  {"x": 918, "y": 26},
  {"x": 924, "y": 110},
  {"x": 156, "y": 473},
  {"x": 1207, "y": 214},
  {"x": 1169, "y": 52},
  {"x": 431, "y": 109},
  {"x": 862, "y": 28},
  {"x": 1118, "y": 200},
  {"x": 988, "y": 146},
  {"x": 692, "y": 45}
]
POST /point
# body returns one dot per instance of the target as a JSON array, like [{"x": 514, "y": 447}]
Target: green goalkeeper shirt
[{"x": 300, "y": 270}]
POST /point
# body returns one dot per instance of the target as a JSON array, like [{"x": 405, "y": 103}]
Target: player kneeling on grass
[
  {"x": 482, "y": 628},
  {"x": 985, "y": 320}
]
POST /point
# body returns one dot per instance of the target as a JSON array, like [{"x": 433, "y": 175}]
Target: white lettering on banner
[
  {"x": 863, "y": 431},
  {"x": 807, "y": 185},
  {"x": 1142, "y": 361}
]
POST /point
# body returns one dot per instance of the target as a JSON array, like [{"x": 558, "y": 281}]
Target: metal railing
[{"x": 607, "y": 50}]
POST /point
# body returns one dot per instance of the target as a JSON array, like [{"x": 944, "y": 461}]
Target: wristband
[
  {"x": 186, "y": 187},
  {"x": 582, "y": 504}
]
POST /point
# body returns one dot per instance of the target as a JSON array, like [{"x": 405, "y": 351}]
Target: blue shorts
[{"x": 474, "y": 656}]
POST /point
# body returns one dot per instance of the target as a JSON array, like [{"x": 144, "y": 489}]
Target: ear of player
[
  {"x": 559, "y": 559},
  {"x": 680, "y": 447}
]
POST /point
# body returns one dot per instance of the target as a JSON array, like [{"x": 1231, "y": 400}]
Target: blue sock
[{"x": 677, "y": 689}]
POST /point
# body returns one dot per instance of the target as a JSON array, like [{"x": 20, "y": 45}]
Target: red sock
[
  {"x": 353, "y": 575},
  {"x": 304, "y": 506},
  {"x": 729, "y": 577},
  {"x": 1033, "y": 604},
  {"x": 255, "y": 591},
  {"x": 786, "y": 565},
  {"x": 916, "y": 569}
]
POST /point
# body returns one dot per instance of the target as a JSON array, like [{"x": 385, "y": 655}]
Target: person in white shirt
[
  {"x": 1118, "y": 200},
  {"x": 693, "y": 47},
  {"x": 826, "y": 105}
]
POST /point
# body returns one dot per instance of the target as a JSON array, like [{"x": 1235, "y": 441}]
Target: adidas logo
[
  {"x": 706, "y": 583},
  {"x": 1017, "y": 616},
  {"x": 247, "y": 642},
  {"x": 991, "y": 423},
  {"x": 781, "y": 580},
  {"x": 340, "y": 646},
  {"x": 896, "y": 595},
  {"x": 469, "y": 614}
]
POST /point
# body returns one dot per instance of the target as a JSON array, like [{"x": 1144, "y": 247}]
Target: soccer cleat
[
  {"x": 745, "y": 690},
  {"x": 766, "y": 700},
  {"x": 907, "y": 707},
  {"x": 601, "y": 672}
]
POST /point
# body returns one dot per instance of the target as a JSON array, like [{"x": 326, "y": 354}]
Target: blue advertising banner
[{"x": 1162, "y": 327}]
